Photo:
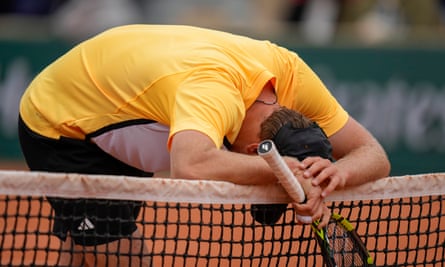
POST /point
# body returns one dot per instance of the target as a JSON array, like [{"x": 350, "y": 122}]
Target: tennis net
[{"x": 209, "y": 223}]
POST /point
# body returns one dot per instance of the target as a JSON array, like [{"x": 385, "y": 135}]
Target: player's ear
[{"x": 252, "y": 148}]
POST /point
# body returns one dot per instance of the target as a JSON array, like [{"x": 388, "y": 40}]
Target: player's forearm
[
  {"x": 364, "y": 164},
  {"x": 194, "y": 156},
  {"x": 360, "y": 157},
  {"x": 226, "y": 166}
]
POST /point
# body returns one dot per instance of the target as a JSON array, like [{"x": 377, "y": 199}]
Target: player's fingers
[
  {"x": 307, "y": 209},
  {"x": 324, "y": 220},
  {"x": 318, "y": 216},
  {"x": 313, "y": 207},
  {"x": 317, "y": 211},
  {"x": 307, "y": 219},
  {"x": 301, "y": 213},
  {"x": 332, "y": 182},
  {"x": 307, "y": 162},
  {"x": 332, "y": 185},
  {"x": 324, "y": 175},
  {"x": 315, "y": 165}
]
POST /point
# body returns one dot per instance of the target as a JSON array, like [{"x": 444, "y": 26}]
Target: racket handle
[
  {"x": 303, "y": 218},
  {"x": 268, "y": 151}
]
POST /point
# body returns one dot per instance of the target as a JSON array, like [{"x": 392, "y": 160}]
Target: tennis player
[{"x": 139, "y": 99}]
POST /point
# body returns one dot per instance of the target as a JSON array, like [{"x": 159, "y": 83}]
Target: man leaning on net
[{"x": 139, "y": 99}]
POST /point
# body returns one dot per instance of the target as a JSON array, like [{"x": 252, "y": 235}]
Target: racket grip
[
  {"x": 288, "y": 181},
  {"x": 269, "y": 152},
  {"x": 304, "y": 218}
]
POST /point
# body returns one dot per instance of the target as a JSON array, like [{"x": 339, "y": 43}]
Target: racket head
[{"x": 340, "y": 244}]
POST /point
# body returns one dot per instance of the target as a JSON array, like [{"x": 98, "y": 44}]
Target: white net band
[{"x": 71, "y": 185}]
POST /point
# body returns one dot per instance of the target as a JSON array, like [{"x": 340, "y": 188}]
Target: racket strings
[{"x": 344, "y": 247}]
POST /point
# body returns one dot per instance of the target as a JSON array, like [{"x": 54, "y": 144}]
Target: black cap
[{"x": 303, "y": 142}]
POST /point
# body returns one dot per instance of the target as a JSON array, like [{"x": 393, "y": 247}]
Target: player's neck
[{"x": 267, "y": 95}]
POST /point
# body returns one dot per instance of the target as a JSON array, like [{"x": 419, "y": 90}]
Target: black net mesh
[{"x": 397, "y": 232}]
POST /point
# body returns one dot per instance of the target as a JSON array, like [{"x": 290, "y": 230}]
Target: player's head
[{"x": 296, "y": 136}]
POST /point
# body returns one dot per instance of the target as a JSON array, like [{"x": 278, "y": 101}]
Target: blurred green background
[{"x": 383, "y": 60}]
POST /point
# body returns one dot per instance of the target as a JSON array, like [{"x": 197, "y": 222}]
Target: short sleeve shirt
[{"x": 187, "y": 78}]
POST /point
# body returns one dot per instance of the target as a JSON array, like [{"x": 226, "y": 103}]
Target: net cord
[{"x": 72, "y": 185}]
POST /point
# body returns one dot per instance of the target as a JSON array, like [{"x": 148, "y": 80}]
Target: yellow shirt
[{"x": 185, "y": 77}]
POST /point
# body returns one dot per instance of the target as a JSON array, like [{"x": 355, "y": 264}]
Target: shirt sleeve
[
  {"x": 316, "y": 102},
  {"x": 211, "y": 105}
]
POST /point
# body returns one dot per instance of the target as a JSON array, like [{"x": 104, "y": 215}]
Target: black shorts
[{"x": 89, "y": 221}]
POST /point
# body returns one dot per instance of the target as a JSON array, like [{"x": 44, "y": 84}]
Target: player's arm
[
  {"x": 194, "y": 156},
  {"x": 360, "y": 159}
]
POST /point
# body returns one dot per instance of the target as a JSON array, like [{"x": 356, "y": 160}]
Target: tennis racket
[{"x": 339, "y": 243}]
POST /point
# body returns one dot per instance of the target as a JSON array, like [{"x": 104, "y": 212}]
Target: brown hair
[{"x": 271, "y": 125}]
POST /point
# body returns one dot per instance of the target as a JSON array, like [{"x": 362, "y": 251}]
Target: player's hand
[
  {"x": 314, "y": 205},
  {"x": 323, "y": 173},
  {"x": 324, "y": 220}
]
